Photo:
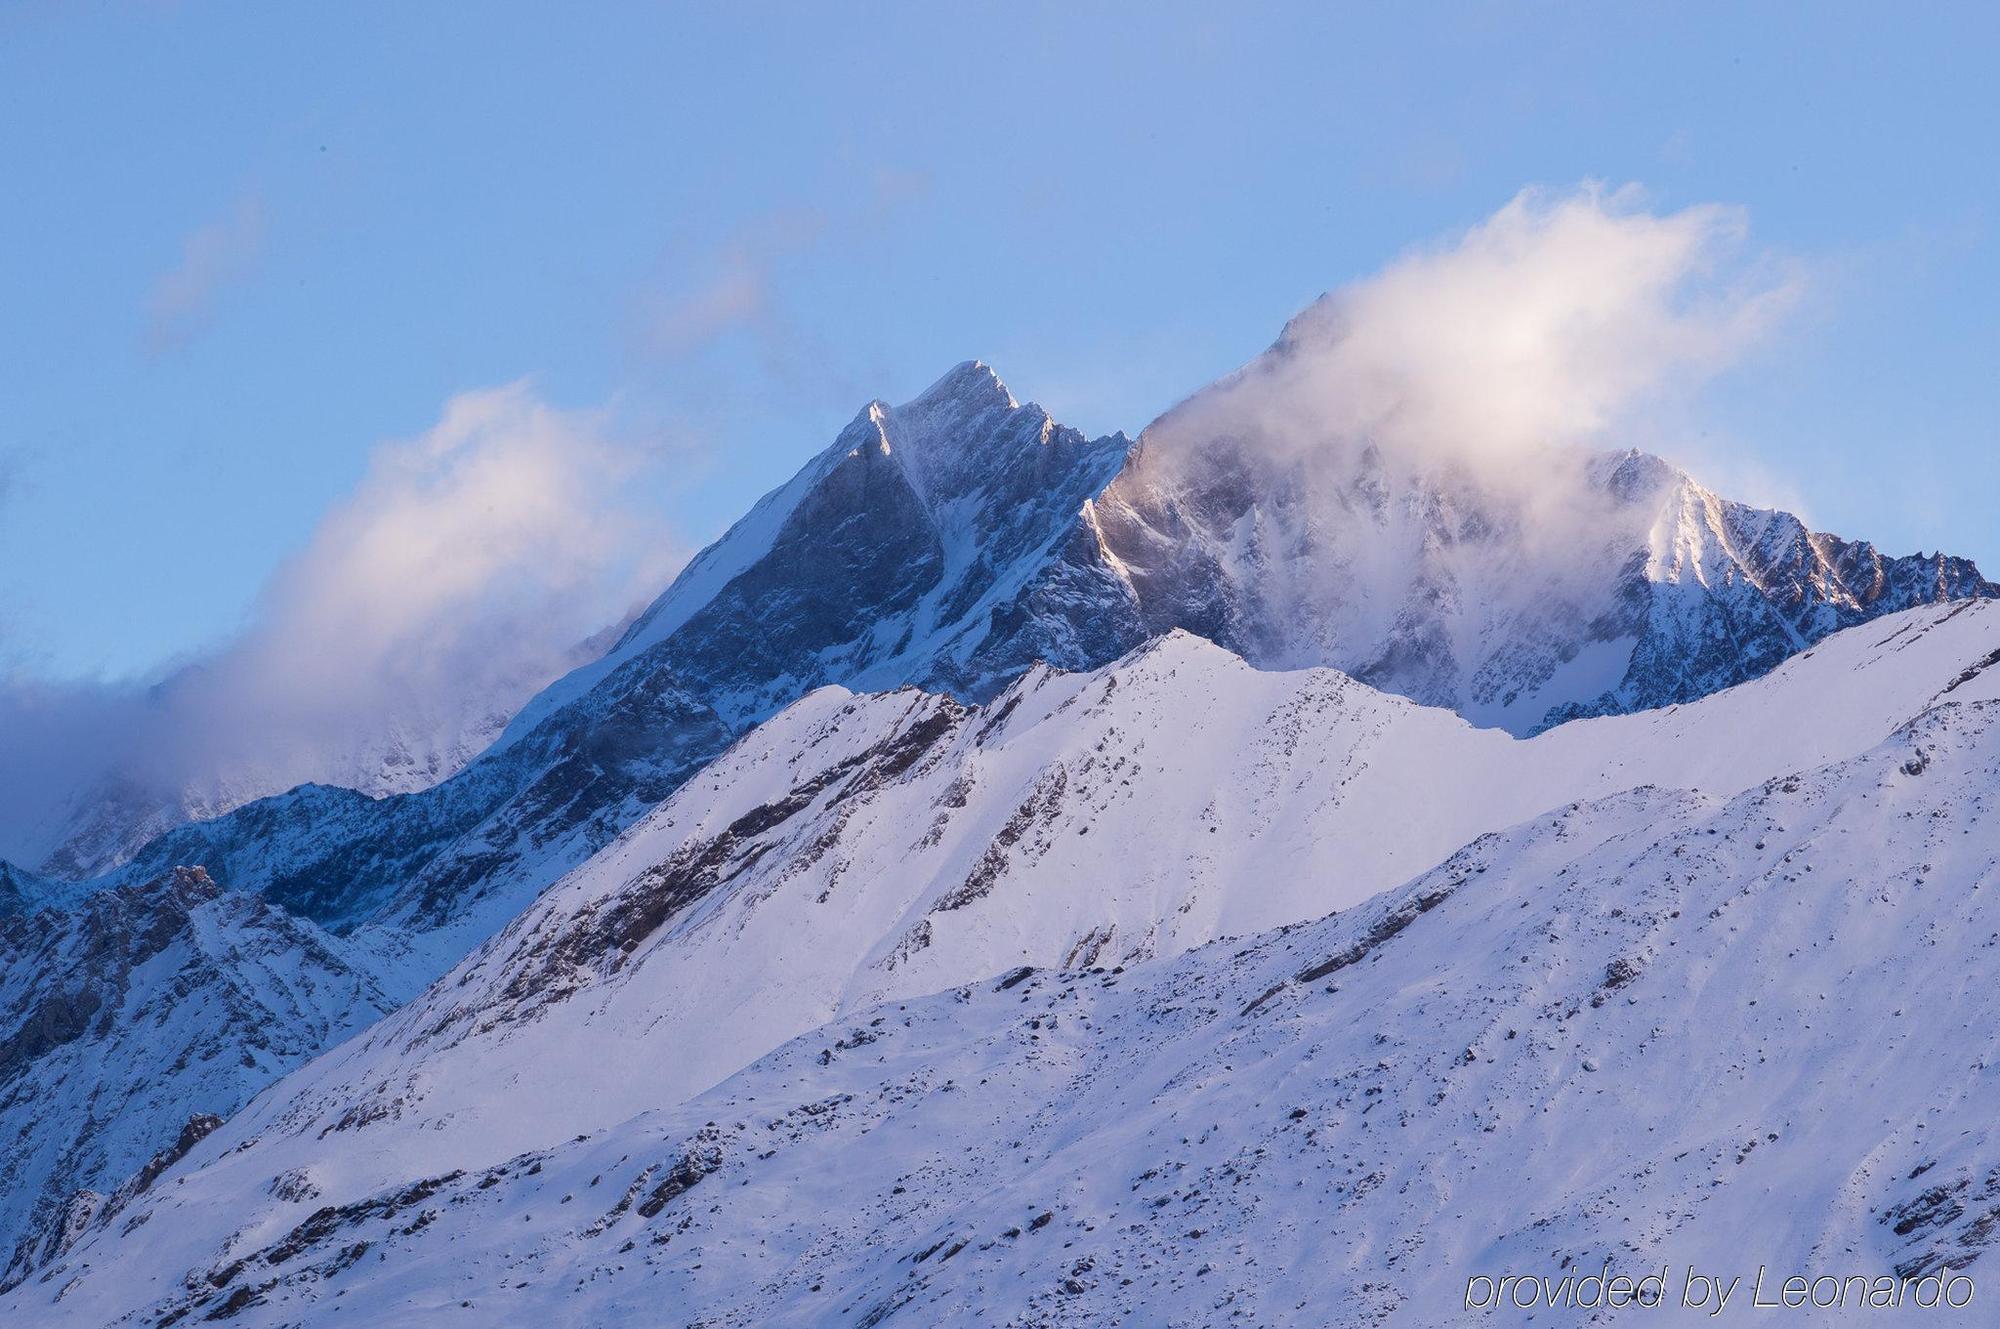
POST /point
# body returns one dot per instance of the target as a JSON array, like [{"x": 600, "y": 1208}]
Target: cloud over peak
[{"x": 1550, "y": 322}]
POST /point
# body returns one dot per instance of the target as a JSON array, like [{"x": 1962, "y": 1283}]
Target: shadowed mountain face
[{"x": 952, "y": 542}]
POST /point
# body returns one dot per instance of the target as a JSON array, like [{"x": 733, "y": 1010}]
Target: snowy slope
[
  {"x": 855, "y": 850},
  {"x": 860, "y": 850},
  {"x": 1633, "y": 1030},
  {"x": 151, "y": 1004}
]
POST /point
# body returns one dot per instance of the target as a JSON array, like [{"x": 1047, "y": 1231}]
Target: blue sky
[{"x": 241, "y": 246}]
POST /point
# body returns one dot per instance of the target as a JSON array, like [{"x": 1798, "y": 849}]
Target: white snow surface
[{"x": 856, "y": 853}]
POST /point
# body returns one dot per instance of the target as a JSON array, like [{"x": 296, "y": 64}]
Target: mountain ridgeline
[
  {"x": 904, "y": 1012},
  {"x": 955, "y": 544},
  {"x": 954, "y": 541}
]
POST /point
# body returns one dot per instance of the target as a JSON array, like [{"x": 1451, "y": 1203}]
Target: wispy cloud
[
  {"x": 1551, "y": 322},
  {"x": 463, "y": 571},
  {"x": 215, "y": 257},
  {"x": 724, "y": 306},
  {"x": 731, "y": 289},
  {"x": 463, "y": 574}
]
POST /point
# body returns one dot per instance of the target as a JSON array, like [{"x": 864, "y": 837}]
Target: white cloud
[
  {"x": 1551, "y": 322},
  {"x": 216, "y": 256},
  {"x": 468, "y": 565},
  {"x": 462, "y": 575}
]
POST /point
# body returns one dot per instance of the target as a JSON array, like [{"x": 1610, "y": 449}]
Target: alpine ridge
[
  {"x": 957, "y": 540},
  {"x": 957, "y": 543},
  {"x": 1160, "y": 1122}
]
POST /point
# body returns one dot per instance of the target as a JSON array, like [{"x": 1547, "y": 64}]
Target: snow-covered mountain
[
  {"x": 1459, "y": 1075},
  {"x": 956, "y": 540},
  {"x": 896, "y": 844},
  {"x": 953, "y": 542},
  {"x": 1519, "y": 590},
  {"x": 1343, "y": 1118},
  {"x": 147, "y": 1007}
]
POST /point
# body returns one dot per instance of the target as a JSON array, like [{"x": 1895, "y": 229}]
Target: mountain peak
[
  {"x": 968, "y": 383},
  {"x": 1633, "y": 476},
  {"x": 952, "y": 437}
]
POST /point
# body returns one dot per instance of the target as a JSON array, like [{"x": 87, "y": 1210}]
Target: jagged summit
[
  {"x": 966, "y": 381},
  {"x": 963, "y": 436},
  {"x": 957, "y": 435}
]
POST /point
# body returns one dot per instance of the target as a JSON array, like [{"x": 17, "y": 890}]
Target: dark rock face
[
  {"x": 1789, "y": 589},
  {"x": 85, "y": 964},
  {"x": 858, "y": 550}
]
